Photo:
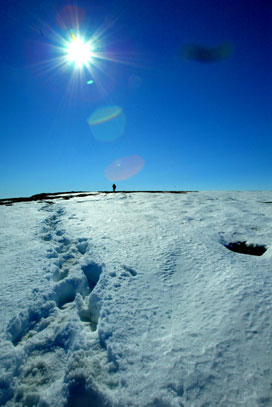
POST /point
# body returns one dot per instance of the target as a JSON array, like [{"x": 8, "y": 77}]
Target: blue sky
[{"x": 170, "y": 122}]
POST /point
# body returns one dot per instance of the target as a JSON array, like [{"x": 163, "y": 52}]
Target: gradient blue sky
[{"x": 197, "y": 126}]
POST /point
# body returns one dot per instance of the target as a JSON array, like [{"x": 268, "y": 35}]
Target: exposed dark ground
[{"x": 75, "y": 194}]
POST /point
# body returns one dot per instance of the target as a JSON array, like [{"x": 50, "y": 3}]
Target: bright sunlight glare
[{"x": 79, "y": 52}]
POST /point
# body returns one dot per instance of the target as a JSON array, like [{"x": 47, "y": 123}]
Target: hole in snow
[{"x": 246, "y": 248}]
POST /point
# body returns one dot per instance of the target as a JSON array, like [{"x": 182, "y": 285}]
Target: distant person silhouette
[{"x": 114, "y": 187}]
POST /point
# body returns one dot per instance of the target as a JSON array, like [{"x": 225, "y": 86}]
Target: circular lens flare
[
  {"x": 124, "y": 168},
  {"x": 79, "y": 52},
  {"x": 107, "y": 123}
]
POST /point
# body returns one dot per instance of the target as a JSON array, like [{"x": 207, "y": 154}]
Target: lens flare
[
  {"x": 107, "y": 123},
  {"x": 124, "y": 168}
]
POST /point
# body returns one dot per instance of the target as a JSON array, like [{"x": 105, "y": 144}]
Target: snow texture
[{"x": 118, "y": 300}]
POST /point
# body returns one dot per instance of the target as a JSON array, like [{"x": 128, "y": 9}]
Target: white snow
[{"x": 118, "y": 300}]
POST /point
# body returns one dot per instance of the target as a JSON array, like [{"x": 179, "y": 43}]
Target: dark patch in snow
[
  {"x": 246, "y": 248},
  {"x": 75, "y": 194}
]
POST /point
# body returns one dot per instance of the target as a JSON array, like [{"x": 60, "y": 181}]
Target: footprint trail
[{"x": 64, "y": 308}]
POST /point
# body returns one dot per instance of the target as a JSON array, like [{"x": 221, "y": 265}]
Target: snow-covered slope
[{"x": 135, "y": 300}]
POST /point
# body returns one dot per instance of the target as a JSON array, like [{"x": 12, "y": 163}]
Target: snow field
[{"x": 133, "y": 299}]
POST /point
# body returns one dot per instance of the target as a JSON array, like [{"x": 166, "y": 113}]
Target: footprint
[
  {"x": 65, "y": 241},
  {"x": 60, "y": 274},
  {"x": 82, "y": 246},
  {"x": 130, "y": 270},
  {"x": 33, "y": 319},
  {"x": 86, "y": 396},
  {"x": 85, "y": 315},
  {"x": 65, "y": 292},
  {"x": 51, "y": 219},
  {"x": 65, "y": 260},
  {"x": 89, "y": 314},
  {"x": 39, "y": 371},
  {"x": 47, "y": 237},
  {"x": 46, "y": 208},
  {"x": 52, "y": 254},
  {"x": 60, "y": 211},
  {"x": 92, "y": 271},
  {"x": 62, "y": 249}
]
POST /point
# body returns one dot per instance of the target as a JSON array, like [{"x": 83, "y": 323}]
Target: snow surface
[{"x": 134, "y": 300}]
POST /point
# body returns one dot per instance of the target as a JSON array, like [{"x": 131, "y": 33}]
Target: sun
[
  {"x": 84, "y": 55},
  {"x": 79, "y": 52}
]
